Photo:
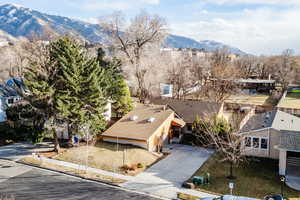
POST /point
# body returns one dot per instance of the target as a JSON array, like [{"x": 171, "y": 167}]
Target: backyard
[
  {"x": 256, "y": 178},
  {"x": 259, "y": 99},
  {"x": 125, "y": 159},
  {"x": 291, "y": 100}
]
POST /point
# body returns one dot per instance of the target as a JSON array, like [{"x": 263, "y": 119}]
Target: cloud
[
  {"x": 154, "y": 2},
  {"x": 117, "y": 4},
  {"x": 258, "y": 31},
  {"x": 258, "y": 2}
]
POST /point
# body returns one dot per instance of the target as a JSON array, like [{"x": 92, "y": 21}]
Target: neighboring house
[
  {"x": 9, "y": 95},
  {"x": 146, "y": 126},
  {"x": 188, "y": 110},
  {"x": 255, "y": 86},
  {"x": 2, "y": 110},
  {"x": 268, "y": 135}
]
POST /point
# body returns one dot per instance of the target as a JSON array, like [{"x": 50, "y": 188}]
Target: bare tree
[
  {"x": 223, "y": 137},
  {"x": 179, "y": 75},
  {"x": 143, "y": 31},
  {"x": 285, "y": 68}
]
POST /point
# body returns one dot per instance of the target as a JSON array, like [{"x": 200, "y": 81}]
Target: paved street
[
  {"x": 31, "y": 183},
  {"x": 165, "y": 177},
  {"x": 16, "y": 151}
]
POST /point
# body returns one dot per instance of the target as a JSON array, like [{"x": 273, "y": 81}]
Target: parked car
[
  {"x": 274, "y": 197},
  {"x": 228, "y": 197}
]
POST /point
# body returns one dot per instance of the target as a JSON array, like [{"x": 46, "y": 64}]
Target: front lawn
[
  {"x": 82, "y": 173},
  {"x": 256, "y": 178},
  {"x": 106, "y": 156}
]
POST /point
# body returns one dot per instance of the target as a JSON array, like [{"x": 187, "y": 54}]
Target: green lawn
[{"x": 256, "y": 178}]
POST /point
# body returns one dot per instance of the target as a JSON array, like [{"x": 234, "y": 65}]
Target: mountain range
[{"x": 17, "y": 21}]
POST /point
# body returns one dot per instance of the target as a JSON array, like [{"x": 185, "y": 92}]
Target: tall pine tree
[
  {"x": 80, "y": 98},
  {"x": 115, "y": 85}
]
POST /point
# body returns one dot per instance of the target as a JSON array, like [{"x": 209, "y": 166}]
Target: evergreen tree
[
  {"x": 80, "y": 97},
  {"x": 123, "y": 103},
  {"x": 40, "y": 78},
  {"x": 115, "y": 86}
]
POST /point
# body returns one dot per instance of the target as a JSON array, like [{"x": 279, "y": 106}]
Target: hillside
[{"x": 18, "y": 21}]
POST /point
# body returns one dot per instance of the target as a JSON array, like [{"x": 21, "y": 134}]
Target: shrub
[
  {"x": 140, "y": 165},
  {"x": 129, "y": 167}
]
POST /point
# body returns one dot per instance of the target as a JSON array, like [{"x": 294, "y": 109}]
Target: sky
[{"x": 260, "y": 27}]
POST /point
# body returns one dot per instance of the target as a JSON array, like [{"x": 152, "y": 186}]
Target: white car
[{"x": 228, "y": 197}]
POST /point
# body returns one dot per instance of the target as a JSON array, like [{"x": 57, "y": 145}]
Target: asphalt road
[{"x": 35, "y": 184}]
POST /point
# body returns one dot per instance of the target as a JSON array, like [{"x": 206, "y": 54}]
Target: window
[
  {"x": 255, "y": 142},
  {"x": 189, "y": 127},
  {"x": 248, "y": 141},
  {"x": 10, "y": 101},
  {"x": 166, "y": 90},
  {"x": 264, "y": 143}
]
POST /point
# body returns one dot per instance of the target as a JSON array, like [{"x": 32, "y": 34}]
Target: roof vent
[
  {"x": 134, "y": 117},
  {"x": 151, "y": 119}
]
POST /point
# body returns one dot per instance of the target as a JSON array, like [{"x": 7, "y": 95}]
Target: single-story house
[
  {"x": 268, "y": 135},
  {"x": 188, "y": 110},
  {"x": 147, "y": 126}
]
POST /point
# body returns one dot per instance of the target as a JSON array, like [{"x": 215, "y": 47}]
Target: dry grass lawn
[
  {"x": 105, "y": 156},
  {"x": 82, "y": 173},
  {"x": 292, "y": 100},
  {"x": 257, "y": 178},
  {"x": 261, "y": 100}
]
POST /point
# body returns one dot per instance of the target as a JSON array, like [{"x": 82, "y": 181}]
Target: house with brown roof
[
  {"x": 275, "y": 135},
  {"x": 146, "y": 126},
  {"x": 188, "y": 110}
]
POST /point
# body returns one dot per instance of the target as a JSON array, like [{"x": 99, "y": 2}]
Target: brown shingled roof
[
  {"x": 139, "y": 129},
  {"x": 189, "y": 109}
]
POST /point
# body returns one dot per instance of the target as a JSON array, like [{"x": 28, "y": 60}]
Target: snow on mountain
[{"x": 18, "y": 21}]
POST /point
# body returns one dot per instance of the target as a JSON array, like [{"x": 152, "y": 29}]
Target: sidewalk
[{"x": 167, "y": 191}]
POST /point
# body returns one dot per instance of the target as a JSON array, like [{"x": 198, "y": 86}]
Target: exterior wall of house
[
  {"x": 282, "y": 162},
  {"x": 139, "y": 143},
  {"x": 160, "y": 136},
  {"x": 273, "y": 140}
]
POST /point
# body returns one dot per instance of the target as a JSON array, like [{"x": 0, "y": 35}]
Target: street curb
[
  {"x": 69, "y": 174},
  {"x": 87, "y": 179}
]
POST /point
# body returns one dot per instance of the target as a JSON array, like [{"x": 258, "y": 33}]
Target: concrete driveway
[{"x": 165, "y": 177}]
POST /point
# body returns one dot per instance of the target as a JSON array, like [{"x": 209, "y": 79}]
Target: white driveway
[{"x": 165, "y": 177}]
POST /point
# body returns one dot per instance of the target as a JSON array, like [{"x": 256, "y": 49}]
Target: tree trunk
[
  {"x": 56, "y": 142},
  {"x": 231, "y": 172}
]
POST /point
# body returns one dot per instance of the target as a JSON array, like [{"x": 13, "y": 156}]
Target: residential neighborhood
[{"x": 110, "y": 102}]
